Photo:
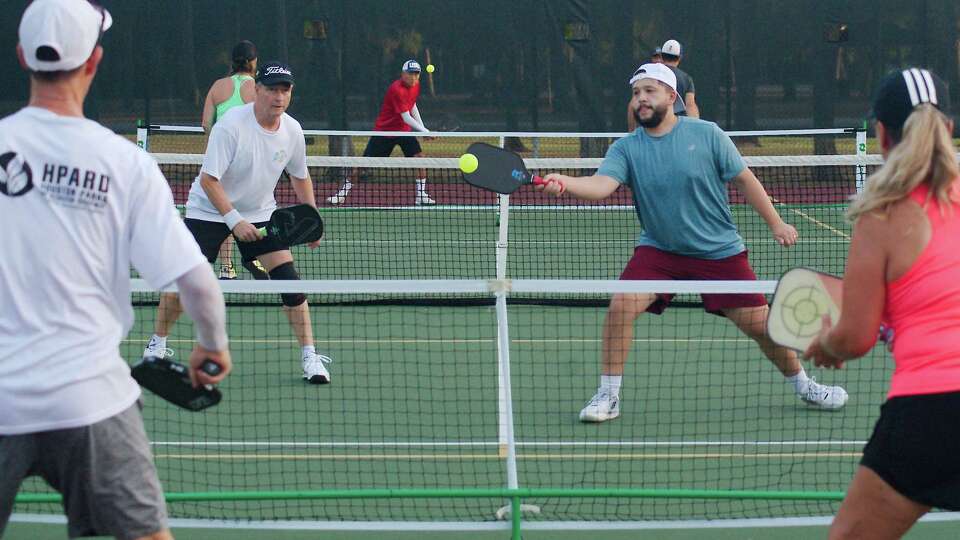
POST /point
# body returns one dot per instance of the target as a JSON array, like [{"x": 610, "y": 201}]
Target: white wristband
[{"x": 232, "y": 218}]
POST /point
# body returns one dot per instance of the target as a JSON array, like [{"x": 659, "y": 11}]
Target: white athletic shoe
[
  {"x": 341, "y": 195},
  {"x": 822, "y": 396},
  {"x": 227, "y": 272},
  {"x": 155, "y": 350},
  {"x": 602, "y": 407},
  {"x": 314, "y": 369},
  {"x": 424, "y": 199}
]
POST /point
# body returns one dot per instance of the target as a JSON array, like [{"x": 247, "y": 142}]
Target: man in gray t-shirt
[
  {"x": 671, "y": 52},
  {"x": 679, "y": 170},
  {"x": 686, "y": 104}
]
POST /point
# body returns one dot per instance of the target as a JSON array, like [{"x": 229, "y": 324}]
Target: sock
[
  {"x": 307, "y": 349},
  {"x": 158, "y": 342},
  {"x": 421, "y": 186},
  {"x": 611, "y": 383},
  {"x": 799, "y": 381}
]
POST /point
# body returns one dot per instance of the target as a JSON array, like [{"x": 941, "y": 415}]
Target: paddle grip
[
  {"x": 262, "y": 231},
  {"x": 539, "y": 181}
]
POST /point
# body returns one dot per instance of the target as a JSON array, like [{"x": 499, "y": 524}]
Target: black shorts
[
  {"x": 383, "y": 146},
  {"x": 915, "y": 447},
  {"x": 210, "y": 234}
]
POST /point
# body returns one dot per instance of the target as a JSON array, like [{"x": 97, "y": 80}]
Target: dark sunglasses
[{"x": 103, "y": 20}]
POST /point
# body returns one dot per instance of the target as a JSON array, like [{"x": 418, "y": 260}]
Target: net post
[
  {"x": 503, "y": 222},
  {"x": 501, "y": 142},
  {"x": 508, "y": 447},
  {"x": 861, "y": 171},
  {"x": 516, "y": 519},
  {"x": 142, "y": 134}
]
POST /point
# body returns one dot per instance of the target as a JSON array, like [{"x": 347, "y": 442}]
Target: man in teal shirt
[{"x": 678, "y": 169}]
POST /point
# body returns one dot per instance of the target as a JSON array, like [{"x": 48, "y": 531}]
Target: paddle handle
[
  {"x": 539, "y": 181},
  {"x": 262, "y": 231}
]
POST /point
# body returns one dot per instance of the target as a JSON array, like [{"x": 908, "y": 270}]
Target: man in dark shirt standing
[
  {"x": 671, "y": 52},
  {"x": 685, "y": 105}
]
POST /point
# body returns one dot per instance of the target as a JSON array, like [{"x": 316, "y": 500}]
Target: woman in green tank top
[
  {"x": 234, "y": 90},
  {"x": 226, "y": 93}
]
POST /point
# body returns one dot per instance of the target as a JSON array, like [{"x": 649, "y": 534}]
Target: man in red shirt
[{"x": 398, "y": 113}]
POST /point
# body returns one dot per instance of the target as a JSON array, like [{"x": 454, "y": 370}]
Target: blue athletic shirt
[{"x": 679, "y": 184}]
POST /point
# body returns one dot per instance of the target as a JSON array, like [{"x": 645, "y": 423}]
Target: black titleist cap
[{"x": 272, "y": 73}]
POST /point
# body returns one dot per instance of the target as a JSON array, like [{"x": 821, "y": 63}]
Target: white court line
[
  {"x": 497, "y": 456},
  {"x": 625, "y": 241},
  {"x": 740, "y": 523},
  {"x": 460, "y": 444},
  {"x": 409, "y": 341}
]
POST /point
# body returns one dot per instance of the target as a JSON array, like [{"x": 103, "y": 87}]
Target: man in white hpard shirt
[
  {"x": 80, "y": 205},
  {"x": 248, "y": 150}
]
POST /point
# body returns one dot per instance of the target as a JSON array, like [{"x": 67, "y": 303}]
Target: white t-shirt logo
[
  {"x": 16, "y": 177},
  {"x": 280, "y": 156}
]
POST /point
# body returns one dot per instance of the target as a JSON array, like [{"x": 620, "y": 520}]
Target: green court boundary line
[
  {"x": 515, "y": 496},
  {"x": 473, "y": 493}
]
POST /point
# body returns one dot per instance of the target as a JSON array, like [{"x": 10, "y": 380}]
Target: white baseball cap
[
  {"x": 657, "y": 72},
  {"x": 60, "y": 35},
  {"x": 672, "y": 47}
]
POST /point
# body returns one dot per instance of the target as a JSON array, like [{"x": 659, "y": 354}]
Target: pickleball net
[{"x": 379, "y": 232}]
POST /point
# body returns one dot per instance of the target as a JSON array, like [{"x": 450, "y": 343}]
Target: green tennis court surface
[{"x": 414, "y": 404}]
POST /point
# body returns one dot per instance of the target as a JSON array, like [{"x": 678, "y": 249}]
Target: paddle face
[
  {"x": 171, "y": 381},
  {"x": 295, "y": 225},
  {"x": 498, "y": 170},
  {"x": 803, "y": 296}
]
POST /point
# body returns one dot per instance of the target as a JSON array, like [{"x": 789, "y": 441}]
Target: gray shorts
[{"x": 105, "y": 472}]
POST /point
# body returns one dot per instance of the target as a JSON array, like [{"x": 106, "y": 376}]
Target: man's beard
[{"x": 655, "y": 119}]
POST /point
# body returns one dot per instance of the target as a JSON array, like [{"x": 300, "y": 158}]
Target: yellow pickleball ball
[
  {"x": 468, "y": 163},
  {"x": 430, "y": 68}
]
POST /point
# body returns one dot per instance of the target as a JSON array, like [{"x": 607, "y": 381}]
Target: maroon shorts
[{"x": 652, "y": 263}]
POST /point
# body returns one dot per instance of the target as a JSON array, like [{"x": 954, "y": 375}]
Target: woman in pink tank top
[{"x": 905, "y": 258}]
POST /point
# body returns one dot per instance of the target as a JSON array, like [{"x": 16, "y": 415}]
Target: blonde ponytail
[{"x": 924, "y": 154}]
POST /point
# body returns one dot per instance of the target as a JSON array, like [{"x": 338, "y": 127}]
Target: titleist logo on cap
[{"x": 274, "y": 70}]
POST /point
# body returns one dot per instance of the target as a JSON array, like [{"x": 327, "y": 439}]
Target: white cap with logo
[
  {"x": 672, "y": 47},
  {"x": 60, "y": 35},
  {"x": 657, "y": 72}
]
